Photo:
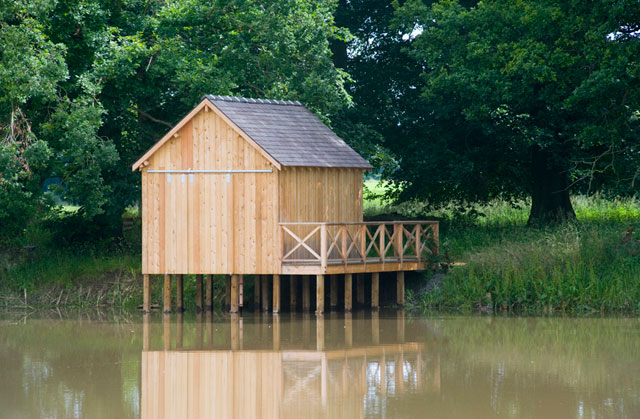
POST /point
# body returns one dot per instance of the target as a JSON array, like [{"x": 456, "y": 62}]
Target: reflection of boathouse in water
[
  {"x": 323, "y": 374},
  {"x": 264, "y": 188}
]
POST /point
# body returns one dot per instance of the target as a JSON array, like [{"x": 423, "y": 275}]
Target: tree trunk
[{"x": 550, "y": 201}]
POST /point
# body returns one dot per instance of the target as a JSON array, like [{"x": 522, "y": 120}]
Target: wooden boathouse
[{"x": 262, "y": 187}]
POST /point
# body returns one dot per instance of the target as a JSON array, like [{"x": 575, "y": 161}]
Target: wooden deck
[{"x": 358, "y": 247}]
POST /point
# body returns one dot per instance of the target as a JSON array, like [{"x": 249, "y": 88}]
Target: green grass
[{"x": 590, "y": 266}]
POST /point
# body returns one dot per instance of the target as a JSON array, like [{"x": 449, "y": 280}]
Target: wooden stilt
[
  {"x": 241, "y": 291},
  {"x": 348, "y": 292},
  {"x": 199, "y": 293},
  {"x": 235, "y": 284},
  {"x": 333, "y": 292},
  {"x": 209, "y": 292},
  {"x": 227, "y": 292},
  {"x": 293, "y": 291},
  {"x": 167, "y": 294},
  {"x": 276, "y": 293},
  {"x": 265, "y": 293},
  {"x": 306, "y": 293},
  {"x": 146, "y": 294},
  {"x": 256, "y": 292},
  {"x": 400, "y": 288},
  {"x": 375, "y": 290},
  {"x": 319, "y": 294},
  {"x": 360, "y": 289},
  {"x": 180, "y": 293}
]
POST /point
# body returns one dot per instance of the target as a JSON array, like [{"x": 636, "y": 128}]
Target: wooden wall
[
  {"x": 320, "y": 194},
  {"x": 208, "y": 225}
]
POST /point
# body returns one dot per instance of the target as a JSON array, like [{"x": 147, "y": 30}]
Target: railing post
[
  {"x": 382, "y": 229},
  {"x": 418, "y": 252},
  {"x": 363, "y": 242},
  {"x": 323, "y": 247},
  {"x": 343, "y": 243},
  {"x": 399, "y": 240}
]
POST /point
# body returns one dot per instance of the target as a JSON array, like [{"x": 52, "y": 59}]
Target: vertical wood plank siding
[{"x": 200, "y": 223}]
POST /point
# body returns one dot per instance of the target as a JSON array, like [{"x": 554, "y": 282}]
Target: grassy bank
[
  {"x": 493, "y": 262},
  {"x": 591, "y": 266}
]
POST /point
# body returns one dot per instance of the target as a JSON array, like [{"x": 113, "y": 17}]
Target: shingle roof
[{"x": 288, "y": 132}]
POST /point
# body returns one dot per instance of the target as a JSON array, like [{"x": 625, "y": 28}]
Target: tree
[
  {"x": 97, "y": 82},
  {"x": 523, "y": 98}
]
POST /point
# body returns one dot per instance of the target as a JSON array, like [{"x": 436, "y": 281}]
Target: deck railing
[{"x": 358, "y": 242}]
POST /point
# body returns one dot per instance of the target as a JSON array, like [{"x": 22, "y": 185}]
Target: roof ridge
[{"x": 239, "y": 99}]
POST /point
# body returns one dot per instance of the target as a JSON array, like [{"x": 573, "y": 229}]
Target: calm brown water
[{"x": 291, "y": 366}]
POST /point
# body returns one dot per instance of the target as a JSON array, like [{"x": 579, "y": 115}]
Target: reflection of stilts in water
[{"x": 283, "y": 379}]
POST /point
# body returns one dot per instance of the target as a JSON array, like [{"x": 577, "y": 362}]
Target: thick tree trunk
[{"x": 550, "y": 201}]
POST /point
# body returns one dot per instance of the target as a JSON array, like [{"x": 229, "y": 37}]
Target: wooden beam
[
  {"x": 348, "y": 292},
  {"x": 319, "y": 294},
  {"x": 333, "y": 292},
  {"x": 306, "y": 293},
  {"x": 265, "y": 293},
  {"x": 167, "y": 293},
  {"x": 199, "y": 293},
  {"x": 375, "y": 290},
  {"x": 276, "y": 293},
  {"x": 293, "y": 291},
  {"x": 235, "y": 290},
  {"x": 209, "y": 292},
  {"x": 180, "y": 293},
  {"x": 400, "y": 288},
  {"x": 146, "y": 294},
  {"x": 360, "y": 289}
]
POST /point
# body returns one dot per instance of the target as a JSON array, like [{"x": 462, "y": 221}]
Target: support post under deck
[
  {"x": 400, "y": 288},
  {"x": 375, "y": 290},
  {"x": 146, "y": 294},
  {"x": 235, "y": 293},
  {"x": 167, "y": 294},
  {"x": 276, "y": 293},
  {"x": 179, "y": 293},
  {"x": 348, "y": 292},
  {"x": 319, "y": 294},
  {"x": 227, "y": 292}
]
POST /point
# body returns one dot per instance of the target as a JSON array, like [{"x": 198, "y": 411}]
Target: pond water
[{"x": 365, "y": 364}]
